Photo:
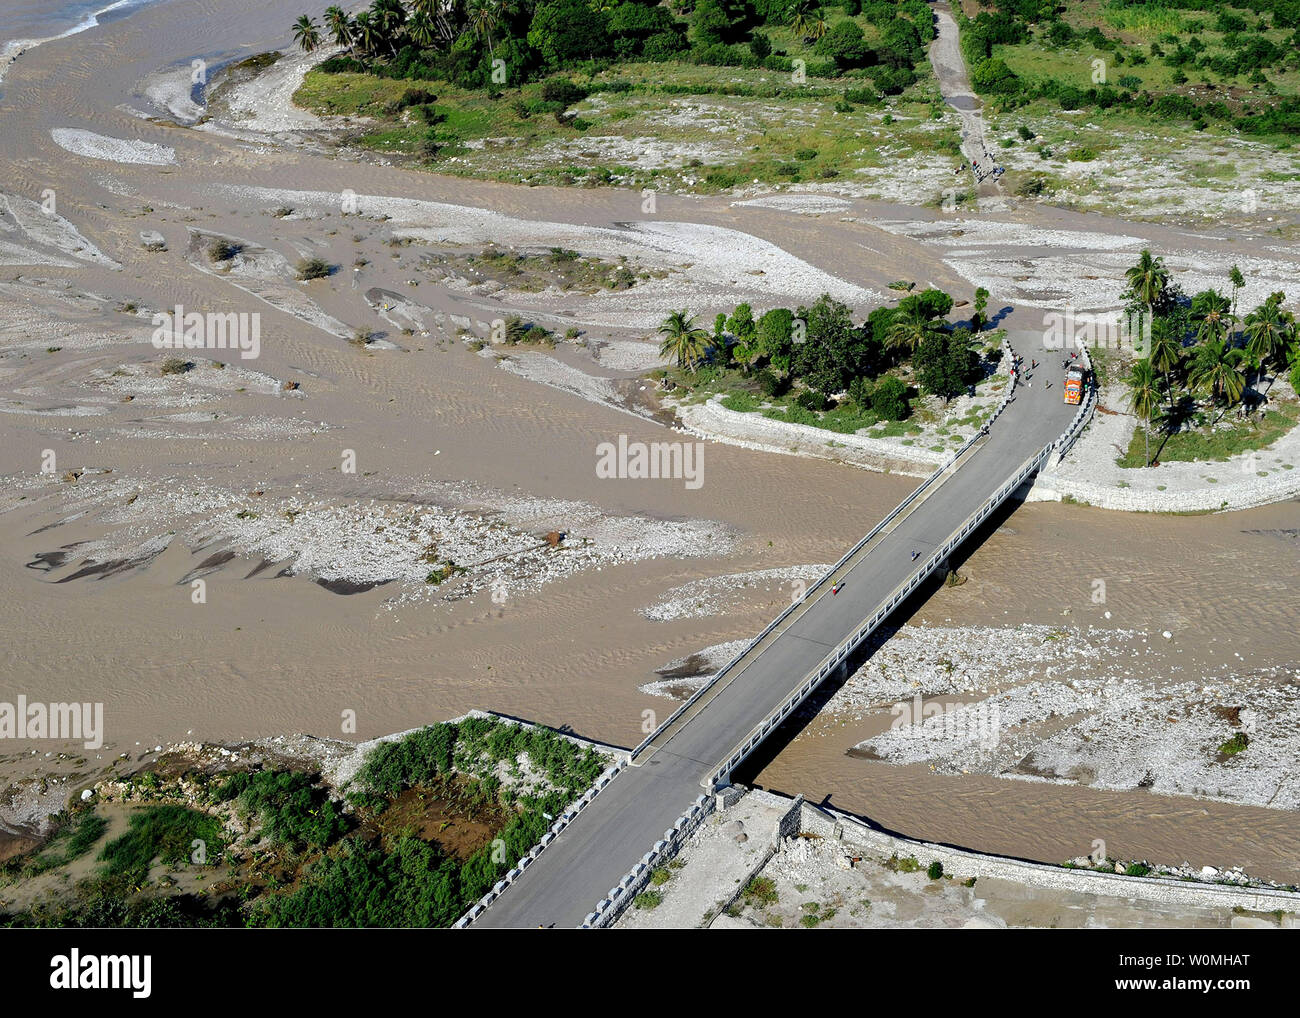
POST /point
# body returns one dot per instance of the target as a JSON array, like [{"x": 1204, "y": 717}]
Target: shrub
[
  {"x": 888, "y": 399},
  {"x": 222, "y": 250},
  {"x": 563, "y": 91},
  {"x": 313, "y": 268},
  {"x": 935, "y": 871},
  {"x": 161, "y": 832},
  {"x": 175, "y": 366},
  {"x": 811, "y": 399},
  {"x": 288, "y": 807}
]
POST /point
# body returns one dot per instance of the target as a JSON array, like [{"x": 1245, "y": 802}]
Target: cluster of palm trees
[
  {"x": 1203, "y": 348},
  {"x": 386, "y": 25}
]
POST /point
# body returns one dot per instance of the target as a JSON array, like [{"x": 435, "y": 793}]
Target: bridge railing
[
  {"x": 791, "y": 608},
  {"x": 567, "y": 817},
  {"x": 836, "y": 657},
  {"x": 619, "y": 897},
  {"x": 1071, "y": 434}
]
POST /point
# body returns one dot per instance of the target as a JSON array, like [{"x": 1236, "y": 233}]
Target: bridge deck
[{"x": 625, "y": 820}]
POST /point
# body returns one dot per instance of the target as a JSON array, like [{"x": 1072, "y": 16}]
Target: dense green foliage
[
  {"x": 1200, "y": 349},
  {"x": 109, "y": 902},
  {"x": 477, "y": 746},
  {"x": 166, "y": 833},
  {"x": 493, "y": 44},
  {"x": 369, "y": 868},
  {"x": 288, "y": 807},
  {"x": 829, "y": 371},
  {"x": 1240, "y": 52}
]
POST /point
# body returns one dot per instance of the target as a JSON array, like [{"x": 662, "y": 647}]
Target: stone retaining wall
[
  {"x": 609, "y": 908},
  {"x": 858, "y": 836}
]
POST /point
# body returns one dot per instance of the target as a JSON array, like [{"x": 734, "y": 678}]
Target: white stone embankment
[
  {"x": 753, "y": 431},
  {"x": 1090, "y": 473},
  {"x": 857, "y": 837}
]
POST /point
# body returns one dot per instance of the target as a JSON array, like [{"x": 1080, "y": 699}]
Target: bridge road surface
[{"x": 623, "y": 822}]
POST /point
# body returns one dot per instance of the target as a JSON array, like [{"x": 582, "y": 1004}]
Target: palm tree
[
  {"x": 1212, "y": 312},
  {"x": 911, "y": 328},
  {"x": 819, "y": 25},
  {"x": 366, "y": 33},
  {"x": 1269, "y": 331},
  {"x": 1148, "y": 280},
  {"x": 483, "y": 17},
  {"x": 442, "y": 13},
  {"x": 306, "y": 33},
  {"x": 422, "y": 30},
  {"x": 340, "y": 26},
  {"x": 1165, "y": 353},
  {"x": 389, "y": 16},
  {"x": 1214, "y": 370},
  {"x": 802, "y": 15},
  {"x": 683, "y": 340},
  {"x": 1144, "y": 399},
  {"x": 1238, "y": 281}
]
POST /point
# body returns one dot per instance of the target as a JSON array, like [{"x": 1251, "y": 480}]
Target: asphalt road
[{"x": 625, "y": 820}]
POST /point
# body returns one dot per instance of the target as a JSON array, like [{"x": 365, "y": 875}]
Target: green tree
[
  {"x": 981, "y": 304},
  {"x": 564, "y": 31},
  {"x": 918, "y": 316},
  {"x": 1144, "y": 400},
  {"x": 717, "y": 21},
  {"x": 366, "y": 33},
  {"x": 483, "y": 18},
  {"x": 943, "y": 362},
  {"x": 888, "y": 398},
  {"x": 1270, "y": 331},
  {"x": 802, "y": 17},
  {"x": 775, "y": 339},
  {"x": 833, "y": 352},
  {"x": 1214, "y": 370},
  {"x": 845, "y": 45},
  {"x": 339, "y": 25},
  {"x": 683, "y": 340},
  {"x": 1238, "y": 281},
  {"x": 306, "y": 33},
  {"x": 742, "y": 326},
  {"x": 1148, "y": 280},
  {"x": 1212, "y": 315},
  {"x": 1165, "y": 352}
]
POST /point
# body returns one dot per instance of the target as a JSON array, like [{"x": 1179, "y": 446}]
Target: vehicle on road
[{"x": 1074, "y": 385}]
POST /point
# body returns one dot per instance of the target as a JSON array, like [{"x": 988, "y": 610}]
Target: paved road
[{"x": 625, "y": 820}]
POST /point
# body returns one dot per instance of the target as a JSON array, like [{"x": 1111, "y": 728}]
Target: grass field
[
  {"x": 1213, "y": 445},
  {"x": 667, "y": 126}
]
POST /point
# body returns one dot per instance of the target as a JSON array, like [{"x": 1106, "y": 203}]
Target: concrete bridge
[{"x": 599, "y": 857}]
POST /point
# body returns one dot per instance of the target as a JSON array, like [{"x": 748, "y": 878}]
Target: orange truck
[{"x": 1074, "y": 385}]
